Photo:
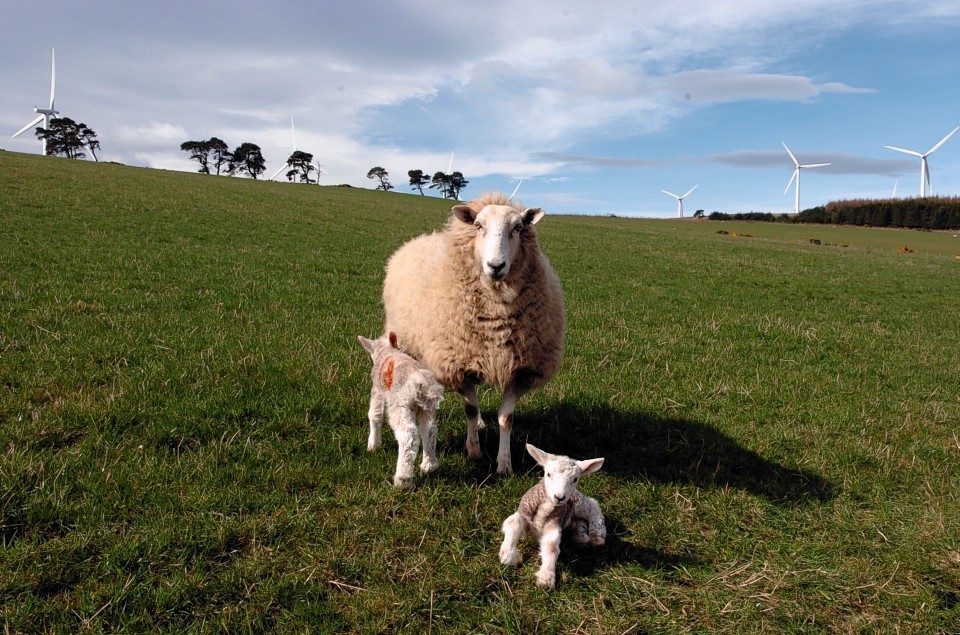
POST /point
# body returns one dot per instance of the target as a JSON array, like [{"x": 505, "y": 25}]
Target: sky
[{"x": 597, "y": 106}]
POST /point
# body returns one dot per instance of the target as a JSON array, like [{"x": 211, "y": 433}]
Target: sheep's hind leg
[
  {"x": 403, "y": 422},
  {"x": 427, "y": 422},
  {"x": 471, "y": 406},
  {"x": 375, "y": 417}
]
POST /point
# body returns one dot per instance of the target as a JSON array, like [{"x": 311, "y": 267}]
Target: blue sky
[{"x": 598, "y": 106}]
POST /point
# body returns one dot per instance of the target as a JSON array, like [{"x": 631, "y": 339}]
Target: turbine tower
[
  {"x": 293, "y": 134},
  {"x": 680, "y": 199},
  {"x": 45, "y": 114},
  {"x": 796, "y": 176},
  {"x": 924, "y": 167}
]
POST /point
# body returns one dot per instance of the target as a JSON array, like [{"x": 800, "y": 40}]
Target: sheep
[
  {"x": 479, "y": 302},
  {"x": 550, "y": 507},
  {"x": 411, "y": 395}
]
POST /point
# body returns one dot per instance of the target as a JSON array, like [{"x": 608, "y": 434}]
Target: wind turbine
[
  {"x": 450, "y": 167},
  {"x": 45, "y": 114},
  {"x": 293, "y": 134},
  {"x": 516, "y": 189},
  {"x": 680, "y": 199},
  {"x": 924, "y": 168},
  {"x": 796, "y": 175}
]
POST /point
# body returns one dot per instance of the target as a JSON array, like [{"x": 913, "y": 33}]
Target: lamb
[
  {"x": 479, "y": 302},
  {"x": 411, "y": 395},
  {"x": 550, "y": 507}
]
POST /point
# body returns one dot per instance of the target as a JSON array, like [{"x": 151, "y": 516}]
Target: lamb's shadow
[{"x": 664, "y": 450}]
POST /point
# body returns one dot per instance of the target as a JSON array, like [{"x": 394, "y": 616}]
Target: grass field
[{"x": 183, "y": 422}]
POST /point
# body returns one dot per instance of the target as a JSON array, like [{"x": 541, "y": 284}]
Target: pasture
[{"x": 183, "y": 422}]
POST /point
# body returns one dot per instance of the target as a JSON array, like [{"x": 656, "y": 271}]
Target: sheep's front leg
[
  {"x": 518, "y": 387},
  {"x": 549, "y": 552},
  {"x": 514, "y": 529},
  {"x": 375, "y": 417},
  {"x": 471, "y": 406},
  {"x": 427, "y": 423},
  {"x": 403, "y": 421}
]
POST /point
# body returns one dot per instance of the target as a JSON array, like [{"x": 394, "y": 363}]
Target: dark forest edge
[{"x": 915, "y": 213}]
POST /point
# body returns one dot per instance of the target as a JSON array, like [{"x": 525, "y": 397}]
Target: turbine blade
[
  {"x": 282, "y": 168},
  {"x": 796, "y": 171},
  {"x": 814, "y": 165},
  {"x": 28, "y": 126},
  {"x": 671, "y": 194},
  {"x": 53, "y": 75},
  {"x": 450, "y": 165},
  {"x": 516, "y": 189},
  {"x": 942, "y": 141},
  {"x": 795, "y": 162},
  {"x": 293, "y": 134},
  {"x": 690, "y": 190},
  {"x": 913, "y": 152}
]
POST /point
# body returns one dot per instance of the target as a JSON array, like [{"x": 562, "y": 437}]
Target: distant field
[{"x": 183, "y": 422}]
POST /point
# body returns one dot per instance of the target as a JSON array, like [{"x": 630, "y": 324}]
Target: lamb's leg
[
  {"x": 375, "y": 416},
  {"x": 587, "y": 522},
  {"x": 471, "y": 406},
  {"x": 427, "y": 422},
  {"x": 549, "y": 552},
  {"x": 514, "y": 529},
  {"x": 403, "y": 421}
]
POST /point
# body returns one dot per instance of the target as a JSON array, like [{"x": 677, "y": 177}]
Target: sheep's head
[
  {"x": 498, "y": 229},
  {"x": 375, "y": 347},
  {"x": 561, "y": 473}
]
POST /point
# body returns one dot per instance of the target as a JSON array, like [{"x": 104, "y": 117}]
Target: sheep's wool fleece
[
  {"x": 394, "y": 372},
  {"x": 537, "y": 510},
  {"x": 465, "y": 328}
]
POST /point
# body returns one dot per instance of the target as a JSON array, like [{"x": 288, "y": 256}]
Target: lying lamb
[
  {"x": 411, "y": 395},
  {"x": 551, "y": 506}
]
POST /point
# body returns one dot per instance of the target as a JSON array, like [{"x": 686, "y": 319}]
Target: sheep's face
[
  {"x": 498, "y": 230},
  {"x": 561, "y": 474}
]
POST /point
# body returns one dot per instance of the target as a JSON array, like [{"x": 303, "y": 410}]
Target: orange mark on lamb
[{"x": 386, "y": 373}]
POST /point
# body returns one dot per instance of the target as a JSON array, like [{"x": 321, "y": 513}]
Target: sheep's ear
[
  {"x": 465, "y": 213},
  {"x": 589, "y": 466},
  {"x": 393, "y": 339},
  {"x": 538, "y": 455},
  {"x": 367, "y": 344},
  {"x": 531, "y": 215}
]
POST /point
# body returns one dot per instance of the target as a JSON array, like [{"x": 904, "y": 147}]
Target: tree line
[
  {"x": 67, "y": 138},
  {"x": 933, "y": 212}
]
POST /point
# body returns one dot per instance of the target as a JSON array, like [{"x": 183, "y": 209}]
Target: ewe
[
  {"x": 411, "y": 396},
  {"x": 478, "y": 302},
  {"x": 549, "y": 507}
]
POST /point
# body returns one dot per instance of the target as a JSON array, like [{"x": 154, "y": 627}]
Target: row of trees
[
  {"x": 449, "y": 185},
  {"x": 913, "y": 213},
  {"x": 67, "y": 138},
  {"x": 215, "y": 157}
]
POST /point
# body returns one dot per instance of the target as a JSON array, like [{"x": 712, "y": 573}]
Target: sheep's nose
[
  {"x": 496, "y": 268},
  {"x": 559, "y": 499}
]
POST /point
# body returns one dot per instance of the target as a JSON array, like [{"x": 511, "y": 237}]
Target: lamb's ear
[
  {"x": 367, "y": 344},
  {"x": 393, "y": 339},
  {"x": 465, "y": 213},
  {"x": 538, "y": 455},
  {"x": 531, "y": 215},
  {"x": 589, "y": 466}
]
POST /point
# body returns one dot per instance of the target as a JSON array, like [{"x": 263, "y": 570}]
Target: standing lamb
[
  {"x": 479, "y": 302},
  {"x": 411, "y": 396},
  {"x": 551, "y": 506}
]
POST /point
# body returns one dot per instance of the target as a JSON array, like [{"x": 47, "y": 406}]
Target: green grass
[{"x": 183, "y": 422}]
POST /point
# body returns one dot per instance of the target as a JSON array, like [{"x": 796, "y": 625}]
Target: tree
[
  {"x": 247, "y": 158},
  {"x": 418, "y": 179},
  {"x": 219, "y": 153},
  {"x": 380, "y": 173},
  {"x": 440, "y": 181},
  {"x": 301, "y": 165},
  {"x": 67, "y": 138},
  {"x": 698, "y": 213},
  {"x": 89, "y": 139},
  {"x": 199, "y": 152},
  {"x": 456, "y": 183}
]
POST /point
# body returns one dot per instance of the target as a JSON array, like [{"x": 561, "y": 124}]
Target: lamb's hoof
[
  {"x": 504, "y": 468},
  {"x": 403, "y": 482},
  {"x": 473, "y": 451},
  {"x": 426, "y": 468},
  {"x": 546, "y": 580},
  {"x": 509, "y": 556}
]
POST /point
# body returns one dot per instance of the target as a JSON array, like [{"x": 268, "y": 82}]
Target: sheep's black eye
[
  {"x": 577, "y": 478},
  {"x": 549, "y": 475},
  {"x": 517, "y": 228},
  {"x": 479, "y": 227}
]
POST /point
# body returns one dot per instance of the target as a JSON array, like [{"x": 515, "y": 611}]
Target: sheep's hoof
[
  {"x": 403, "y": 482},
  {"x": 429, "y": 466},
  {"x": 509, "y": 556},
  {"x": 546, "y": 580}
]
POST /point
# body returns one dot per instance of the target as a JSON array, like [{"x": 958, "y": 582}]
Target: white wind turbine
[
  {"x": 924, "y": 168},
  {"x": 516, "y": 189},
  {"x": 796, "y": 176},
  {"x": 680, "y": 199},
  {"x": 45, "y": 114},
  {"x": 293, "y": 134}
]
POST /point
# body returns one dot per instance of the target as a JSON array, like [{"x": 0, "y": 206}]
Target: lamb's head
[
  {"x": 377, "y": 346},
  {"x": 498, "y": 232},
  {"x": 561, "y": 473}
]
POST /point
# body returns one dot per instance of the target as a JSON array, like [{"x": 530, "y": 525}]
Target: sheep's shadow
[{"x": 664, "y": 450}]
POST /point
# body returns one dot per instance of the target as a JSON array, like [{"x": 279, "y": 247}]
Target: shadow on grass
[{"x": 638, "y": 445}]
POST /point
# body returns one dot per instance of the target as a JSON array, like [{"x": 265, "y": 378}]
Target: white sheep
[
  {"x": 479, "y": 302},
  {"x": 550, "y": 507},
  {"x": 411, "y": 395}
]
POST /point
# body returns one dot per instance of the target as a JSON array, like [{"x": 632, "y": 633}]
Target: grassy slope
[{"x": 182, "y": 419}]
